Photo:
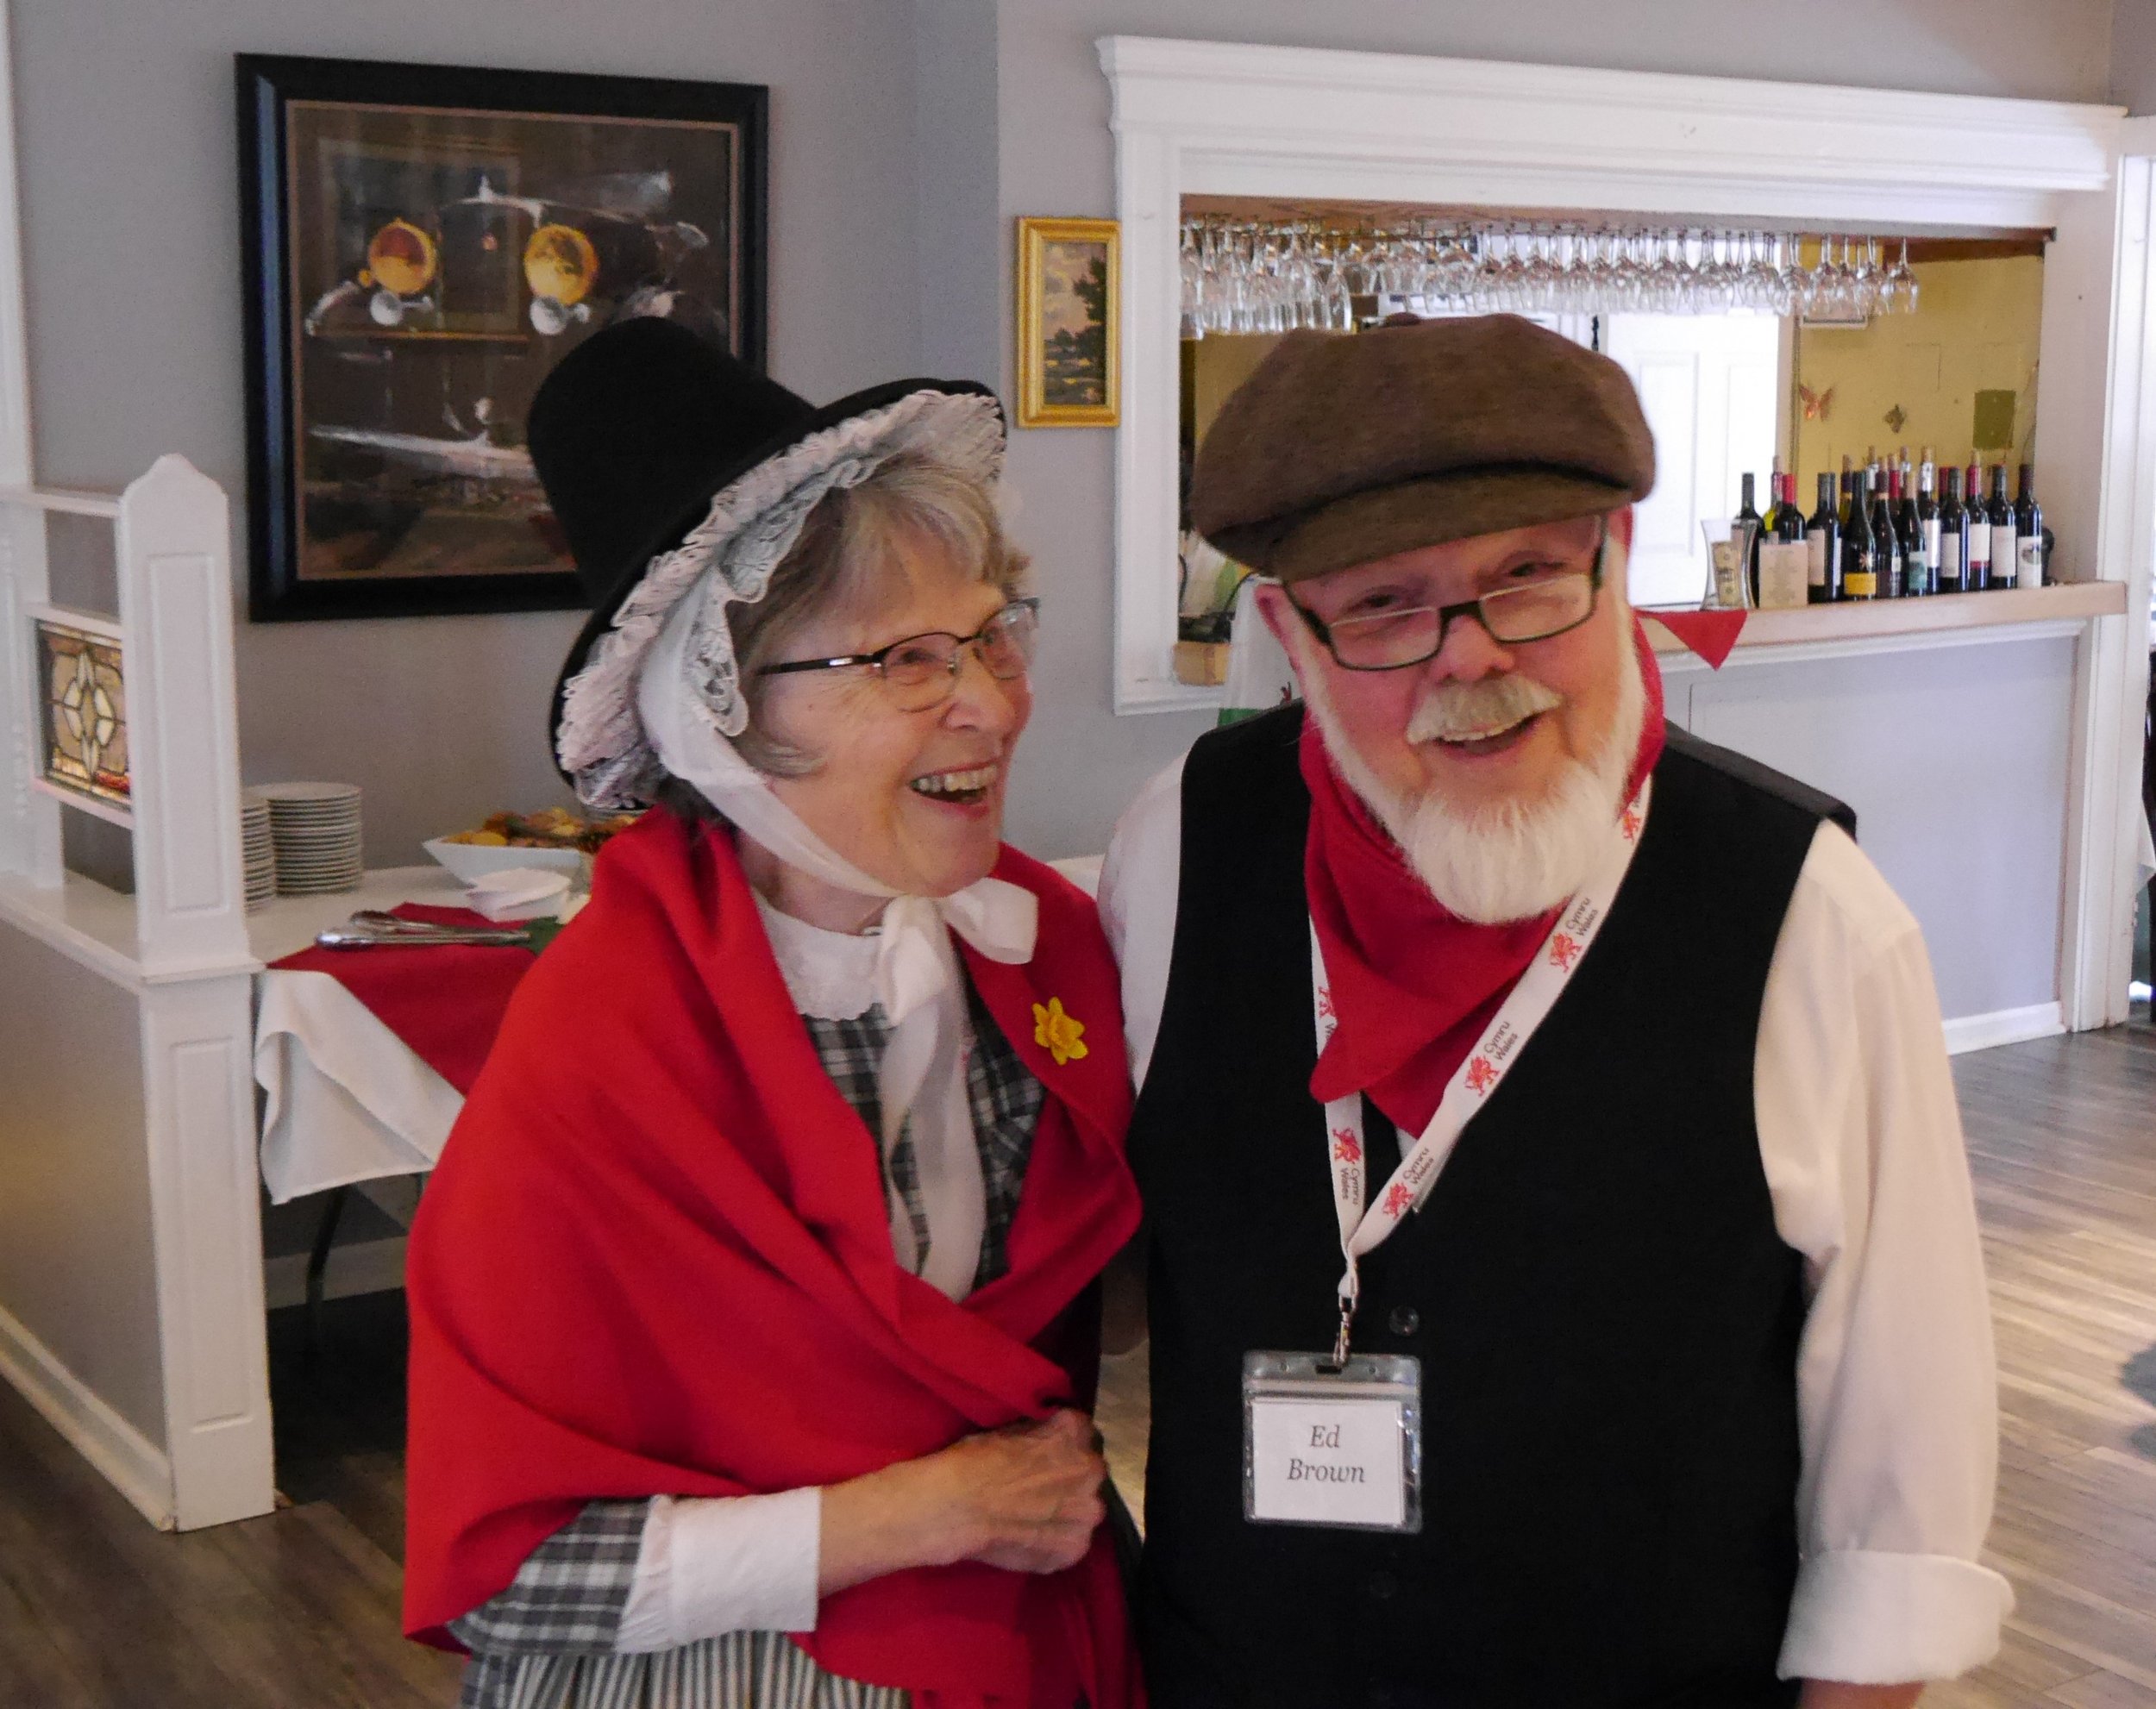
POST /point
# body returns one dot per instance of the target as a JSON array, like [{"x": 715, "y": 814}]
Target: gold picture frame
[{"x": 1069, "y": 374}]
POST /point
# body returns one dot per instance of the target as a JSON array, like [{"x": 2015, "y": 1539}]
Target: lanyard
[{"x": 1532, "y": 995}]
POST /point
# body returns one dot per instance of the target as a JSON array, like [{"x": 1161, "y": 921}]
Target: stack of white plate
[
  {"x": 259, "y": 849},
  {"x": 315, "y": 828}
]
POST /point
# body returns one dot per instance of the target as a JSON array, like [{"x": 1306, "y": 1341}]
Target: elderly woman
[{"x": 752, "y": 1303}]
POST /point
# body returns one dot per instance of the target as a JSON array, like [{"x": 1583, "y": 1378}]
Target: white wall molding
[
  {"x": 128, "y": 1459},
  {"x": 15, "y": 367},
  {"x": 2112, "y": 685},
  {"x": 2004, "y": 1026},
  {"x": 1299, "y": 116}
]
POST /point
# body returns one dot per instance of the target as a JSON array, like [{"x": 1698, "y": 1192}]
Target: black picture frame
[{"x": 392, "y": 290}]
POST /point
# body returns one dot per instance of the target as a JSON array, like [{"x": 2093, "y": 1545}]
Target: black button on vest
[{"x": 1606, "y": 1319}]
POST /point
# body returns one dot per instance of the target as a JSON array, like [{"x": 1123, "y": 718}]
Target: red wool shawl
[{"x": 656, "y": 1259}]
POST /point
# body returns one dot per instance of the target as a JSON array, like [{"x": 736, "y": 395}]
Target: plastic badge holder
[{"x": 1319, "y": 1414}]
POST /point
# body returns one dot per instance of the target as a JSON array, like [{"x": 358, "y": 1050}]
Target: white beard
[{"x": 1506, "y": 859}]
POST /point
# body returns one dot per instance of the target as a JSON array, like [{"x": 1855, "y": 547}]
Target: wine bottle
[
  {"x": 1928, "y": 528},
  {"x": 1823, "y": 565},
  {"x": 2028, "y": 533},
  {"x": 1887, "y": 559},
  {"x": 1790, "y": 526},
  {"x": 2005, "y": 557},
  {"x": 1976, "y": 566},
  {"x": 1910, "y": 581},
  {"x": 1952, "y": 522},
  {"x": 1747, "y": 511},
  {"x": 1774, "y": 498},
  {"x": 1859, "y": 552},
  {"x": 1848, "y": 490},
  {"x": 1916, "y": 579}
]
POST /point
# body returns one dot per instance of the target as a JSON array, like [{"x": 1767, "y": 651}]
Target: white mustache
[{"x": 1456, "y": 710}]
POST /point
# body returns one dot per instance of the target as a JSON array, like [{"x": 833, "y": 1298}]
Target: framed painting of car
[{"x": 423, "y": 243}]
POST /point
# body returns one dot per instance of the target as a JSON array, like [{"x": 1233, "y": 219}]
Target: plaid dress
[{"x": 547, "y": 1641}]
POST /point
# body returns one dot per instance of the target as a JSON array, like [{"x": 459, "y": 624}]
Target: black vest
[{"x": 1606, "y": 1319}]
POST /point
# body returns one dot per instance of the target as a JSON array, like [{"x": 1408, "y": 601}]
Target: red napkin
[
  {"x": 445, "y": 1001},
  {"x": 1709, "y": 634}
]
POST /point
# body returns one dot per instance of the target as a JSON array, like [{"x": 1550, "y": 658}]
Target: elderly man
[{"x": 1564, "y": 1278}]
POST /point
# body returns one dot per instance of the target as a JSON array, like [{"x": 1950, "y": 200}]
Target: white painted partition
[
  {"x": 130, "y": 1246},
  {"x": 143, "y": 1146}
]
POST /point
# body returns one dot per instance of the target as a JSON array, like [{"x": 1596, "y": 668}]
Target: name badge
[{"x": 1327, "y": 1445}]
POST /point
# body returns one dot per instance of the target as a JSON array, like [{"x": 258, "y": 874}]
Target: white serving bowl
[{"x": 473, "y": 861}]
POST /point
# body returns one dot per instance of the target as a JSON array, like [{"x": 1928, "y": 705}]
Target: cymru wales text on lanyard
[{"x": 1530, "y": 1001}]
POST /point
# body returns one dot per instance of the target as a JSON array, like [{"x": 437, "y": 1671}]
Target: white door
[{"x": 1708, "y": 385}]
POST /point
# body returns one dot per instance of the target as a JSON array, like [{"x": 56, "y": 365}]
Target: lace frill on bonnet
[{"x": 751, "y": 526}]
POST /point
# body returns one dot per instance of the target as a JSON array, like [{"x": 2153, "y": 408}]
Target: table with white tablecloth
[{"x": 344, "y": 1100}]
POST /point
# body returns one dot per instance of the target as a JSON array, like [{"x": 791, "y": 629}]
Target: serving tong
[{"x": 371, "y": 928}]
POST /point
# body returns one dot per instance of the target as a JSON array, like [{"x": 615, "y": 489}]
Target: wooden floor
[
  {"x": 294, "y": 1611},
  {"x": 298, "y": 1610},
  {"x": 2062, "y": 1136}
]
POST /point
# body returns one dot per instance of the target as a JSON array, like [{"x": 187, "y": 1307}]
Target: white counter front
[{"x": 1947, "y": 724}]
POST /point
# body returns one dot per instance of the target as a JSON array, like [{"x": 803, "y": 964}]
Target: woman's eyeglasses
[
  {"x": 1393, "y": 640},
  {"x": 922, "y": 670}
]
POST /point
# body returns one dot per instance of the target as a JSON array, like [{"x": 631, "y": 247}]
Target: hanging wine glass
[
  {"x": 1190, "y": 271},
  {"x": 1900, "y": 285}
]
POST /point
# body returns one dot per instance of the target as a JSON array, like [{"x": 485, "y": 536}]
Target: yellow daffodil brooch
[{"x": 1061, "y": 1036}]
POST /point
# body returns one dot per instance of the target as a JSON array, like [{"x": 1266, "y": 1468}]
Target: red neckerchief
[
  {"x": 1413, "y": 985},
  {"x": 656, "y": 1259}
]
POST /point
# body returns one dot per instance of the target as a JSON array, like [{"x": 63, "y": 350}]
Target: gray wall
[
  {"x": 76, "y": 1267},
  {"x": 131, "y": 213},
  {"x": 2133, "y": 54}
]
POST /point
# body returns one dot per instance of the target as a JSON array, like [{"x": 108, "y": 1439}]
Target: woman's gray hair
[{"x": 846, "y": 549}]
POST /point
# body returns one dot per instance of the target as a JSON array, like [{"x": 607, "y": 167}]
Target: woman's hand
[{"x": 1026, "y": 1497}]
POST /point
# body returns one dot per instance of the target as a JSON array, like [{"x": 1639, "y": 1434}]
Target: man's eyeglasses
[
  {"x": 1393, "y": 638},
  {"x": 922, "y": 670}
]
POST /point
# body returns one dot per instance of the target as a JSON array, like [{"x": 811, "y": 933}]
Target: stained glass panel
[{"x": 85, "y": 712}]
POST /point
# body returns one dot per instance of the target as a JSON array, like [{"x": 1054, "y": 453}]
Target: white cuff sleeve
[
  {"x": 1870, "y": 1619},
  {"x": 708, "y": 1566}
]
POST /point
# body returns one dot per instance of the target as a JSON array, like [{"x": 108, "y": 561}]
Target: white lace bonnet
[{"x": 728, "y": 558}]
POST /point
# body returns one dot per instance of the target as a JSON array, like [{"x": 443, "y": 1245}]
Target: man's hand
[{"x": 1833, "y": 1694}]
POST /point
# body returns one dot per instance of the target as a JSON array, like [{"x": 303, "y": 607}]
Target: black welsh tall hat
[{"x": 666, "y": 460}]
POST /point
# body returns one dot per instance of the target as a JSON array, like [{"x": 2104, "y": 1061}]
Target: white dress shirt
[
  {"x": 714, "y": 1564},
  {"x": 1861, "y": 1142}
]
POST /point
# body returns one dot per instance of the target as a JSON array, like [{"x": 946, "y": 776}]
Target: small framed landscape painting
[
  {"x": 1067, "y": 270},
  {"x": 422, "y": 245}
]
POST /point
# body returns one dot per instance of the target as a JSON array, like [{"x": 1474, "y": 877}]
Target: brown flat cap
[{"x": 1342, "y": 449}]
